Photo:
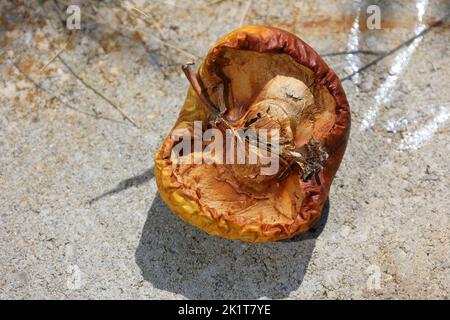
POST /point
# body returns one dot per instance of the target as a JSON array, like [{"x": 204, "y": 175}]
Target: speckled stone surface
[{"x": 80, "y": 216}]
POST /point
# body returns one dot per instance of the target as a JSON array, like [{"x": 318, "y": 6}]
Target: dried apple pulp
[{"x": 224, "y": 194}]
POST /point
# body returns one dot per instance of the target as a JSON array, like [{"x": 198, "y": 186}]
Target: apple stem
[{"x": 198, "y": 88}]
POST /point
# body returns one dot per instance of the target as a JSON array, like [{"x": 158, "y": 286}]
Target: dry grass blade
[
  {"x": 244, "y": 14},
  {"x": 163, "y": 42},
  {"x": 54, "y": 57},
  {"x": 149, "y": 20},
  {"x": 58, "y": 98},
  {"x": 101, "y": 21},
  {"x": 101, "y": 95}
]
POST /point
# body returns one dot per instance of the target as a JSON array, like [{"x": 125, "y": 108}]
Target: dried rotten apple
[{"x": 272, "y": 96}]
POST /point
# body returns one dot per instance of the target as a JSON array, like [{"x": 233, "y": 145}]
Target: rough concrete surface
[{"x": 80, "y": 216}]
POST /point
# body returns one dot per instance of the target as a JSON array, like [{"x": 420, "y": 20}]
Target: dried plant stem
[
  {"x": 341, "y": 53},
  {"x": 148, "y": 20},
  {"x": 54, "y": 56},
  {"x": 58, "y": 98},
  {"x": 172, "y": 46},
  {"x": 158, "y": 39},
  {"x": 101, "y": 95},
  {"x": 198, "y": 88},
  {"x": 211, "y": 3},
  {"x": 163, "y": 42},
  {"x": 400, "y": 46}
]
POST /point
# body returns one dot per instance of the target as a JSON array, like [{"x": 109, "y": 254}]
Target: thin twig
[
  {"x": 402, "y": 45},
  {"x": 101, "y": 95},
  {"x": 341, "y": 53}
]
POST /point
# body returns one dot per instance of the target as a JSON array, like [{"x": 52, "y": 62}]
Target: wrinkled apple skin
[{"x": 263, "y": 39}]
